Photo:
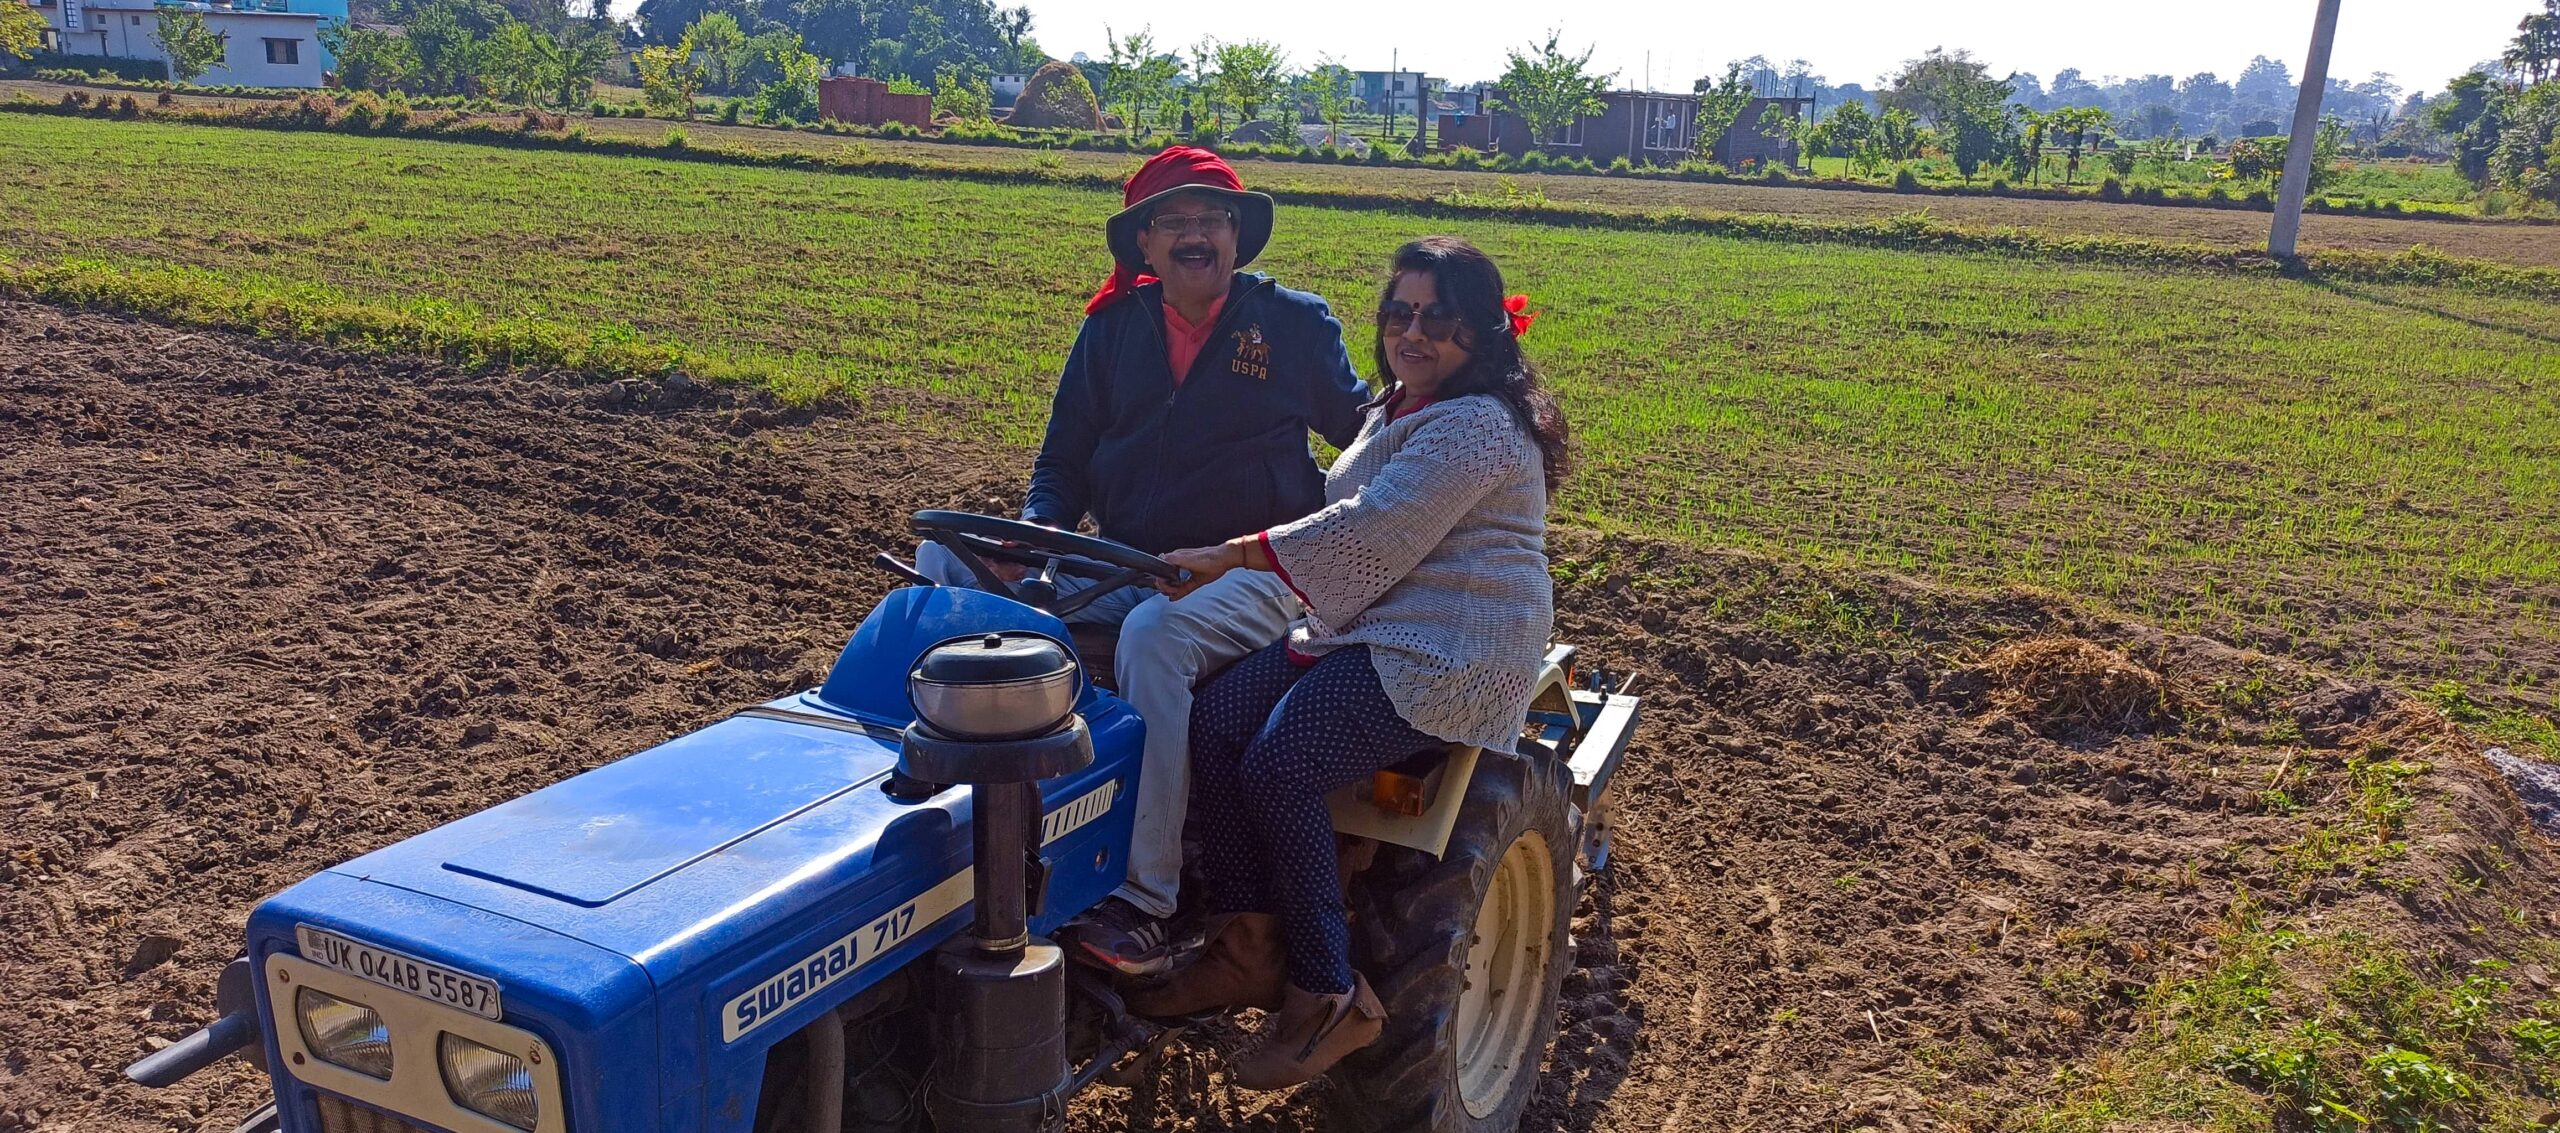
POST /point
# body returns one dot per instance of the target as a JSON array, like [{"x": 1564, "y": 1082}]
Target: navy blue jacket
[{"x": 1161, "y": 467}]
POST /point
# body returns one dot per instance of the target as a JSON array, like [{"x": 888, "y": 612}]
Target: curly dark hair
[{"x": 1469, "y": 283}]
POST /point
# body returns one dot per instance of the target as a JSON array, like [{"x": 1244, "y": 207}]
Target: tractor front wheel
[{"x": 1468, "y": 951}]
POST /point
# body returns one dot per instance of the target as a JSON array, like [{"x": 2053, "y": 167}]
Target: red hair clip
[{"x": 1521, "y": 315}]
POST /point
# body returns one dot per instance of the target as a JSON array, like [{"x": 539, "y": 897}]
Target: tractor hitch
[{"x": 237, "y": 1030}]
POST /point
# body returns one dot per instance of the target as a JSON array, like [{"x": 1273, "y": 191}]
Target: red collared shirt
[{"x": 1184, "y": 339}]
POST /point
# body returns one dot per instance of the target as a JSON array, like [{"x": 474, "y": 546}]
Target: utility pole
[
  {"x": 2306, "y": 133},
  {"x": 1395, "y": 67}
]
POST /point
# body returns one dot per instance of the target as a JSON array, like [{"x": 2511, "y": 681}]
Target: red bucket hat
[{"x": 1178, "y": 169}]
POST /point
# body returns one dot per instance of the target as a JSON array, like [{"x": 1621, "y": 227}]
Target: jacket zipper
[{"x": 1164, "y": 418}]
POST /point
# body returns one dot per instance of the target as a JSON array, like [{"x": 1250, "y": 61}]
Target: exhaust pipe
[{"x": 1001, "y": 993}]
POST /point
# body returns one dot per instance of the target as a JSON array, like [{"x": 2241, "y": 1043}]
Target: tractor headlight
[
  {"x": 488, "y": 1081},
  {"x": 343, "y": 1032}
]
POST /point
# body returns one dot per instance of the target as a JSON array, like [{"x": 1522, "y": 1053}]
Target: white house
[{"x": 264, "y": 45}]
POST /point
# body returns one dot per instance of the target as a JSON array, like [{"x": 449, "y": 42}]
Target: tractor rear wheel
[{"x": 1468, "y": 952}]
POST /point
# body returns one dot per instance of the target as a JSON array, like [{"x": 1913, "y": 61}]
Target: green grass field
[{"x": 2361, "y": 474}]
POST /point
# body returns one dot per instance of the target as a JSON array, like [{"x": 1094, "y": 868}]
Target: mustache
[{"x": 1202, "y": 248}]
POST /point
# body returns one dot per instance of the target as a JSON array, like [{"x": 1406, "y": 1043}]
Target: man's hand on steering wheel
[{"x": 986, "y": 543}]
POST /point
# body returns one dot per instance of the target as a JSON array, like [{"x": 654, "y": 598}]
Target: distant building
[
  {"x": 1406, "y": 93},
  {"x": 1645, "y": 127},
  {"x": 267, "y": 43},
  {"x": 1462, "y": 100},
  {"x": 1007, "y": 88}
]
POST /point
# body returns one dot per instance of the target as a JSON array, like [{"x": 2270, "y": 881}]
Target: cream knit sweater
[{"x": 1431, "y": 550}]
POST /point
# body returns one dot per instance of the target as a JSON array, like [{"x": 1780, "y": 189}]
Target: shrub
[
  {"x": 729, "y": 112},
  {"x": 126, "y": 107},
  {"x": 1999, "y": 186},
  {"x": 1466, "y": 157},
  {"x": 601, "y": 109},
  {"x": 1506, "y": 161},
  {"x": 674, "y": 138},
  {"x": 2260, "y": 197},
  {"x": 1622, "y": 166},
  {"x": 1905, "y": 181},
  {"x": 1535, "y": 161},
  {"x": 2111, "y": 189}
]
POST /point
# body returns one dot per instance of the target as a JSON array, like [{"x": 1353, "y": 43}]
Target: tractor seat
[{"x": 1097, "y": 648}]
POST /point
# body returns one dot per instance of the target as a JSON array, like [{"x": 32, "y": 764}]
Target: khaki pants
[{"x": 1166, "y": 649}]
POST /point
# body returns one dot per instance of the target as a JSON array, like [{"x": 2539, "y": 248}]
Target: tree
[
  {"x": 1140, "y": 77},
  {"x": 192, "y": 47},
  {"x": 514, "y": 65},
  {"x": 1329, "y": 85},
  {"x": 1249, "y": 72},
  {"x": 1013, "y": 29},
  {"x": 2527, "y": 158},
  {"x": 1720, "y": 104},
  {"x": 2076, "y": 128},
  {"x": 1898, "y": 134},
  {"x": 962, "y": 94},
  {"x": 573, "y": 61},
  {"x": 2535, "y": 51},
  {"x": 1551, "y": 90},
  {"x": 669, "y": 77},
  {"x": 719, "y": 46},
  {"x": 783, "y": 74},
  {"x": 447, "y": 52},
  {"x": 1849, "y": 132},
  {"x": 21, "y": 30},
  {"x": 1939, "y": 87},
  {"x": 1976, "y": 136},
  {"x": 1776, "y": 121},
  {"x": 838, "y": 30},
  {"x": 368, "y": 59},
  {"x": 2032, "y": 125},
  {"x": 2472, "y": 112}
]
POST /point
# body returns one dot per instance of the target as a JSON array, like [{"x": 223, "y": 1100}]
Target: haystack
[{"x": 1057, "y": 97}]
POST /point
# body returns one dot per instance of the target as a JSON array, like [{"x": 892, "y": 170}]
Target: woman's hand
[{"x": 1200, "y": 566}]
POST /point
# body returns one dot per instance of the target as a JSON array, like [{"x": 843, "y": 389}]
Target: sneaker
[{"x": 1121, "y": 937}]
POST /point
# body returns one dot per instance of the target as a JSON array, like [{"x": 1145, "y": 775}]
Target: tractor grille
[{"x": 338, "y": 1115}]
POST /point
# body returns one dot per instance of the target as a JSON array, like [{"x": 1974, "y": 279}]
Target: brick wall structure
[{"x": 870, "y": 102}]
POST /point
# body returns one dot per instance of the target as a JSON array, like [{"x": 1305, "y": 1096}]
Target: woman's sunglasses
[{"x": 1439, "y": 323}]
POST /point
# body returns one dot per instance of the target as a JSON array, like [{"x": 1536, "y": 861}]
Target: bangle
[{"x": 1243, "y": 559}]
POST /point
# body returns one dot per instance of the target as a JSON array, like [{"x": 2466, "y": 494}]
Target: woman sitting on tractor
[{"x": 1428, "y": 605}]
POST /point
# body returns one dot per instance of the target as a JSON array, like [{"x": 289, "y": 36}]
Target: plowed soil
[{"x": 265, "y": 607}]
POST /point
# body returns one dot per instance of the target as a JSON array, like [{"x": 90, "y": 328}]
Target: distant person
[
  {"x": 1182, "y": 419},
  {"x": 1428, "y": 606}
]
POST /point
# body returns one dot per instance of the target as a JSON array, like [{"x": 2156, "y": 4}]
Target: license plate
[{"x": 432, "y": 982}]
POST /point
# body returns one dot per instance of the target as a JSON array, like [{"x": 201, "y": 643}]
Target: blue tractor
[{"x": 827, "y": 912}]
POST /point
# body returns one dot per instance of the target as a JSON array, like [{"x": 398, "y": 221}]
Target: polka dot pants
[{"x": 1268, "y": 740}]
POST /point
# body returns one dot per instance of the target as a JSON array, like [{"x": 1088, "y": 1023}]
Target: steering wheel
[{"x": 978, "y": 540}]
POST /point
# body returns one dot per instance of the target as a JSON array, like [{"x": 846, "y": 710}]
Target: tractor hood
[{"x": 754, "y": 870}]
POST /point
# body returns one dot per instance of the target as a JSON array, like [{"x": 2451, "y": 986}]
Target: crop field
[
  {"x": 2358, "y": 474},
  {"x": 2502, "y": 240}
]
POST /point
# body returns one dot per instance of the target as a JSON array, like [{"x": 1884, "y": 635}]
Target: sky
[{"x": 2421, "y": 42}]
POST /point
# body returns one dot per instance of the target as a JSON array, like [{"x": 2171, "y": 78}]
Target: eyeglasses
[
  {"x": 1193, "y": 224},
  {"x": 1439, "y": 323}
]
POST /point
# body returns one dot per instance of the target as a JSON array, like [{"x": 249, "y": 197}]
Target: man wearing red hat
[{"x": 1181, "y": 420}]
